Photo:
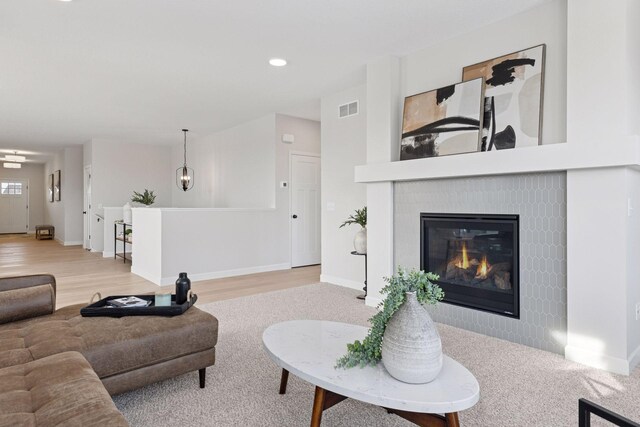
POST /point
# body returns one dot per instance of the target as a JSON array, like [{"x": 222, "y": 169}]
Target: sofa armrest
[{"x": 24, "y": 297}]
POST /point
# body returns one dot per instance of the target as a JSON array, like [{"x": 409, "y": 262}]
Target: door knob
[
  {"x": 295, "y": 216},
  {"x": 84, "y": 212}
]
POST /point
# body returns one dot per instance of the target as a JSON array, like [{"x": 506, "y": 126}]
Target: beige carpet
[{"x": 519, "y": 386}]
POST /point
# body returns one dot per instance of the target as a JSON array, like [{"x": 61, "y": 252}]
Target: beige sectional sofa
[{"x": 59, "y": 368}]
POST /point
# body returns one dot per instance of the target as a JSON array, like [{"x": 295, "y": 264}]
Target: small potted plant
[
  {"x": 402, "y": 330},
  {"x": 147, "y": 198},
  {"x": 360, "y": 239},
  {"x": 127, "y": 234}
]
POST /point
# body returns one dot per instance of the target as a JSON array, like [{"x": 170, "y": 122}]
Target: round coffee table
[{"x": 309, "y": 349}]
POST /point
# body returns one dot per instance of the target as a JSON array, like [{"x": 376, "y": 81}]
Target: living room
[{"x": 254, "y": 168}]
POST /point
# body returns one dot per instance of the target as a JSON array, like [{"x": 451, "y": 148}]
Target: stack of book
[{"x": 128, "y": 302}]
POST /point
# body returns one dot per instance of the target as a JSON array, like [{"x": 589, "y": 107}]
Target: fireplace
[{"x": 476, "y": 257}]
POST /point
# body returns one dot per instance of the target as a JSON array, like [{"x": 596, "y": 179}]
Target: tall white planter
[
  {"x": 411, "y": 346},
  {"x": 360, "y": 241},
  {"x": 127, "y": 216}
]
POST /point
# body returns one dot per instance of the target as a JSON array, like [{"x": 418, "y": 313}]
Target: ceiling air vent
[{"x": 349, "y": 109}]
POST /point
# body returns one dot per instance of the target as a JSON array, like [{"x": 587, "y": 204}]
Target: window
[{"x": 10, "y": 188}]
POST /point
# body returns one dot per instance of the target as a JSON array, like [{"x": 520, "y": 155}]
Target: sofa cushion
[
  {"x": 24, "y": 303},
  {"x": 111, "y": 345},
  {"x": 54, "y": 391}
]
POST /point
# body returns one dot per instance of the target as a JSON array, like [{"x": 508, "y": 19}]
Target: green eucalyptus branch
[{"x": 369, "y": 351}]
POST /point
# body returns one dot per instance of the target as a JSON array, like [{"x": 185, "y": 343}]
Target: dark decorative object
[
  {"x": 586, "y": 408},
  {"x": 102, "y": 309},
  {"x": 57, "y": 185},
  {"x": 476, "y": 257},
  {"x": 514, "y": 87},
  {"x": 183, "y": 286},
  {"x": 184, "y": 174},
  {"x": 51, "y": 188},
  {"x": 443, "y": 121}
]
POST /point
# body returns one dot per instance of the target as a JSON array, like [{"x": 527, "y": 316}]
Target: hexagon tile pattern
[{"x": 540, "y": 200}]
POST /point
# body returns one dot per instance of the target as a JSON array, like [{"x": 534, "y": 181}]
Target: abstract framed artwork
[
  {"x": 51, "y": 188},
  {"x": 514, "y": 87},
  {"x": 443, "y": 121},
  {"x": 56, "y": 185}
]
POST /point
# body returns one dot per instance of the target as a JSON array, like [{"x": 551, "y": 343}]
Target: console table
[
  {"x": 123, "y": 239},
  {"x": 309, "y": 349}
]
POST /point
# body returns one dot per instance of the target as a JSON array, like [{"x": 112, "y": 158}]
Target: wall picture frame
[
  {"x": 50, "y": 188},
  {"x": 56, "y": 185},
  {"x": 443, "y": 121},
  {"x": 514, "y": 95}
]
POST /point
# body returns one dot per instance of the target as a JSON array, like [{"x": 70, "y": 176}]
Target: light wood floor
[{"x": 79, "y": 274}]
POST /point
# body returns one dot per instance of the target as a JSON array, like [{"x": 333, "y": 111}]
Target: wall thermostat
[{"x": 287, "y": 138}]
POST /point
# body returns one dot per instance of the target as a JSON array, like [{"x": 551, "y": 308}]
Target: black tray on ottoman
[{"x": 101, "y": 309}]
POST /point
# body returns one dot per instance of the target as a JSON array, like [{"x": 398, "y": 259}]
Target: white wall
[
  {"x": 71, "y": 194},
  {"x": 118, "y": 168},
  {"x": 54, "y": 211},
  {"x": 442, "y": 64},
  {"x": 633, "y": 268},
  {"x": 232, "y": 168},
  {"x": 344, "y": 145},
  {"x": 237, "y": 238},
  {"x": 34, "y": 174},
  {"x": 633, "y": 71},
  {"x": 66, "y": 215}
]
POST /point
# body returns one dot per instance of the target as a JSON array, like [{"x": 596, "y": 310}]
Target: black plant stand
[{"x": 365, "y": 275}]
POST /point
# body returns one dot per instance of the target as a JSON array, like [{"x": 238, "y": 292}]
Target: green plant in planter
[
  {"x": 147, "y": 198},
  {"x": 359, "y": 218},
  {"x": 368, "y": 352}
]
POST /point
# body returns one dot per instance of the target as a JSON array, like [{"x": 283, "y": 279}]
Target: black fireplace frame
[{"x": 471, "y": 296}]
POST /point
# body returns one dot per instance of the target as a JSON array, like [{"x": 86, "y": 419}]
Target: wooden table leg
[
  {"x": 428, "y": 420},
  {"x": 283, "y": 381},
  {"x": 318, "y": 407},
  {"x": 452, "y": 419}
]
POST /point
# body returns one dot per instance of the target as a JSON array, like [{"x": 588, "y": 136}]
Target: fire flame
[
  {"x": 464, "y": 262},
  {"x": 483, "y": 267}
]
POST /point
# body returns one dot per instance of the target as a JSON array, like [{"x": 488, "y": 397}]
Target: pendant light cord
[{"x": 185, "y": 147}]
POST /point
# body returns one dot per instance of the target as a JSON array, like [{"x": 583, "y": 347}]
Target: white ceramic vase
[
  {"x": 411, "y": 346},
  {"x": 360, "y": 241},
  {"x": 126, "y": 213}
]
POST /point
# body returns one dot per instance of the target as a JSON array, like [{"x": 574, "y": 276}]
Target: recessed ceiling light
[
  {"x": 65, "y": 1},
  {"x": 278, "y": 62},
  {"x": 12, "y": 165}
]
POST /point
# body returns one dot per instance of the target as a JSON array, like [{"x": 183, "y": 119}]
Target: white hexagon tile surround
[{"x": 540, "y": 200}]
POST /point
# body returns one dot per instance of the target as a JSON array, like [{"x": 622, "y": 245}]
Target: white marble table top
[{"x": 309, "y": 349}]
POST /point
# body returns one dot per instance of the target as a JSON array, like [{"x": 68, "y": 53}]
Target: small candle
[{"x": 163, "y": 299}]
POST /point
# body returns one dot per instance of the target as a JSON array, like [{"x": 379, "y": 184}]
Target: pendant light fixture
[
  {"x": 184, "y": 175},
  {"x": 14, "y": 158}
]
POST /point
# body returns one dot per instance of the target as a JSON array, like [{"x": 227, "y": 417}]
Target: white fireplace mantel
[{"x": 543, "y": 158}]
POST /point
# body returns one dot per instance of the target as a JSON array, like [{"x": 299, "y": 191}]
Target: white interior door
[
  {"x": 14, "y": 206},
  {"x": 305, "y": 210},
  {"x": 87, "y": 207}
]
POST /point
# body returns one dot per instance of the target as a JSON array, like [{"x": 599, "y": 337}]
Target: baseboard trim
[
  {"x": 372, "y": 301},
  {"x": 196, "y": 277},
  {"x": 146, "y": 275},
  {"x": 107, "y": 254},
  {"x": 602, "y": 361},
  {"x": 634, "y": 359},
  {"x": 73, "y": 243},
  {"x": 347, "y": 283}
]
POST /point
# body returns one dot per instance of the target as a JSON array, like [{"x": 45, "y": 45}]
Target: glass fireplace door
[{"x": 476, "y": 257}]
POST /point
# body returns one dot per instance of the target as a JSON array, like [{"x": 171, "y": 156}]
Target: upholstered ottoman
[
  {"x": 58, "y": 390},
  {"x": 126, "y": 353}
]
